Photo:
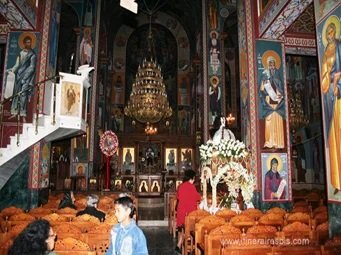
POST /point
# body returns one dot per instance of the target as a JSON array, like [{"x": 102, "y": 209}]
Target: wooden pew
[
  {"x": 202, "y": 228},
  {"x": 219, "y": 237}
]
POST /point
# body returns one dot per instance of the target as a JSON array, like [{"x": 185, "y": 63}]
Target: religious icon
[
  {"x": 171, "y": 159},
  {"x": 128, "y": 160},
  {"x": 275, "y": 177},
  {"x": 186, "y": 159},
  {"x": 143, "y": 187},
  {"x": 70, "y": 99},
  {"x": 155, "y": 186},
  {"x": 271, "y": 94},
  {"x": 118, "y": 184}
]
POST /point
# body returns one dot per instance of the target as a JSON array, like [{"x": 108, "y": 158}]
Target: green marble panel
[
  {"x": 15, "y": 192},
  {"x": 334, "y": 214}
]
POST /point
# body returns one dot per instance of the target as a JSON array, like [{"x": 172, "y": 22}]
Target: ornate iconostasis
[{"x": 149, "y": 168}]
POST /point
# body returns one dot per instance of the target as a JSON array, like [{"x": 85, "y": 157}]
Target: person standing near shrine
[{"x": 187, "y": 201}]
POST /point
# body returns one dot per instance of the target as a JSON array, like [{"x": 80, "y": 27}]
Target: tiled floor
[{"x": 159, "y": 241}]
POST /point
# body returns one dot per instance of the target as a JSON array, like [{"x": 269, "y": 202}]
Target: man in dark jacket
[{"x": 91, "y": 208}]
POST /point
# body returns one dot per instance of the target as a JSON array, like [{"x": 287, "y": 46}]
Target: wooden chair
[
  {"x": 296, "y": 250},
  {"x": 81, "y": 203},
  {"x": 98, "y": 238},
  {"x": 20, "y": 218},
  {"x": 105, "y": 204},
  {"x": 248, "y": 249},
  {"x": 319, "y": 219},
  {"x": 314, "y": 199},
  {"x": 111, "y": 219},
  {"x": 86, "y": 222},
  {"x": 301, "y": 203},
  {"x": 226, "y": 213},
  {"x": 9, "y": 211},
  {"x": 221, "y": 236},
  {"x": 39, "y": 212},
  {"x": 322, "y": 232},
  {"x": 272, "y": 219},
  {"x": 242, "y": 222},
  {"x": 332, "y": 247},
  {"x": 202, "y": 228},
  {"x": 261, "y": 232},
  {"x": 298, "y": 233},
  {"x": 52, "y": 204},
  {"x": 17, "y": 229},
  {"x": 190, "y": 220},
  {"x": 172, "y": 216},
  {"x": 68, "y": 230},
  {"x": 253, "y": 213},
  {"x": 302, "y": 209},
  {"x": 55, "y": 219},
  {"x": 72, "y": 246},
  {"x": 320, "y": 209},
  {"x": 300, "y": 217},
  {"x": 67, "y": 212},
  {"x": 5, "y": 246},
  {"x": 277, "y": 210}
]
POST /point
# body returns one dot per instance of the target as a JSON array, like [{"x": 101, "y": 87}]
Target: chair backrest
[
  {"x": 55, "y": 218},
  {"x": 320, "y": 218},
  {"x": 320, "y": 209},
  {"x": 226, "y": 213},
  {"x": 221, "y": 236},
  {"x": 261, "y": 232},
  {"x": 300, "y": 217},
  {"x": 272, "y": 219},
  {"x": 253, "y": 213},
  {"x": 86, "y": 218},
  {"x": 297, "y": 250},
  {"x": 277, "y": 210},
  {"x": 242, "y": 222},
  {"x": 192, "y": 218},
  {"x": 322, "y": 232},
  {"x": 9, "y": 211},
  {"x": 39, "y": 212},
  {"x": 298, "y": 231},
  {"x": 72, "y": 246},
  {"x": 204, "y": 226}
]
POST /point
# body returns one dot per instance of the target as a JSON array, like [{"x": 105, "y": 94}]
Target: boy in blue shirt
[{"x": 126, "y": 238}]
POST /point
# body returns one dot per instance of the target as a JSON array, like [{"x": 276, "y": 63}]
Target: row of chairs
[
  {"x": 86, "y": 229},
  {"x": 195, "y": 232}
]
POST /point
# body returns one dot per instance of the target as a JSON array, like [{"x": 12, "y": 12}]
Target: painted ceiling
[{"x": 304, "y": 24}]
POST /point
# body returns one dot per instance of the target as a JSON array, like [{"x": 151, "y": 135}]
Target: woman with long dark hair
[{"x": 37, "y": 238}]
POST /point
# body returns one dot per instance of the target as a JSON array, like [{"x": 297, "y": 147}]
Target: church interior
[{"x": 108, "y": 97}]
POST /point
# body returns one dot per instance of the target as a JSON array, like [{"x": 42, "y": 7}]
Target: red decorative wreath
[{"x": 108, "y": 143}]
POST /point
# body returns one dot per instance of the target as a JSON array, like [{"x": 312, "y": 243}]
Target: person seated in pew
[
  {"x": 68, "y": 200},
  {"x": 37, "y": 238},
  {"x": 91, "y": 208}
]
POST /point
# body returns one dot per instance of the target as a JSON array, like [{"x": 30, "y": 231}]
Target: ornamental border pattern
[
  {"x": 250, "y": 51},
  {"x": 288, "y": 15}
]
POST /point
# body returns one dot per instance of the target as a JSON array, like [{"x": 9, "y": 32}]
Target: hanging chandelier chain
[{"x": 155, "y": 8}]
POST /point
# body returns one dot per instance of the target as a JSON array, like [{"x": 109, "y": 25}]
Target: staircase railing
[{"x": 23, "y": 92}]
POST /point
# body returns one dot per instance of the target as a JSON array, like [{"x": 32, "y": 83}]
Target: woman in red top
[{"x": 188, "y": 197}]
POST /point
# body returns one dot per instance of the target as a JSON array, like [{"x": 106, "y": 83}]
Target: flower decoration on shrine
[{"x": 227, "y": 161}]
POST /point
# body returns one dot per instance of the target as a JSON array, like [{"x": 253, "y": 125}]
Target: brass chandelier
[{"x": 148, "y": 101}]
